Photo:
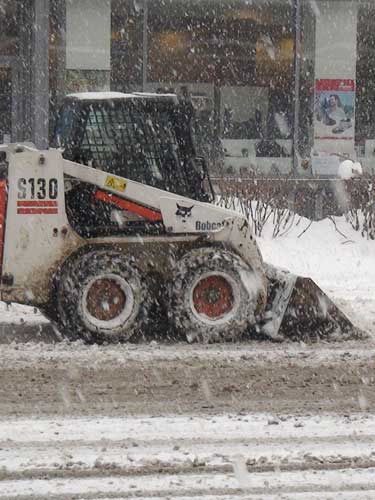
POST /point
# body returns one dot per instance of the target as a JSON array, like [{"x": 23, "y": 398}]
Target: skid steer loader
[{"x": 118, "y": 225}]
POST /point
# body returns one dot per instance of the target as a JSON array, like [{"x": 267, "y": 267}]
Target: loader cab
[{"x": 143, "y": 137}]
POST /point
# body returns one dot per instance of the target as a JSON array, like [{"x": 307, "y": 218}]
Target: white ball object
[
  {"x": 346, "y": 169},
  {"x": 349, "y": 169}
]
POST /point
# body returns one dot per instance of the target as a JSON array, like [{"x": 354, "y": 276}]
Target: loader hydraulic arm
[{"x": 123, "y": 189}]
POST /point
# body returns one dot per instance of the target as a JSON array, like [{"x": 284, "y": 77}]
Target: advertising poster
[{"x": 334, "y": 114}]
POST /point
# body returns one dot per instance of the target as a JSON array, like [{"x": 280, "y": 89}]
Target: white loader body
[
  {"x": 201, "y": 269},
  {"x": 38, "y": 236}
]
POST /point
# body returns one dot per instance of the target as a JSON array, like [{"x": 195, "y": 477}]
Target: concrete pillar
[
  {"x": 88, "y": 44},
  {"x": 335, "y": 60}
]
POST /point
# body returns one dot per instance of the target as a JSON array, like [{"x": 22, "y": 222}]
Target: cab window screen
[{"x": 127, "y": 140}]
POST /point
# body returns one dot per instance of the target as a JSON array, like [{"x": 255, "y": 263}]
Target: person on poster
[
  {"x": 332, "y": 113},
  {"x": 335, "y": 109}
]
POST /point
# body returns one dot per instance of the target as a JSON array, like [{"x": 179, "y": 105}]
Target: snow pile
[
  {"x": 334, "y": 255},
  {"x": 18, "y": 314}
]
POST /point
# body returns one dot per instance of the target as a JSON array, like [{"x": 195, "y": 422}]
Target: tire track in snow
[
  {"x": 194, "y": 485},
  {"x": 240, "y": 456}
]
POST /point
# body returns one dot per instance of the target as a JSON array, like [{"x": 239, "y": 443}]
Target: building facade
[{"x": 273, "y": 82}]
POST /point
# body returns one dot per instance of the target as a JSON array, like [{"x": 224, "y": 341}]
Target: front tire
[
  {"x": 101, "y": 297},
  {"x": 214, "y": 296}
]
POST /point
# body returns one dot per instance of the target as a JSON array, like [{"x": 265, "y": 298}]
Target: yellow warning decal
[{"x": 115, "y": 183}]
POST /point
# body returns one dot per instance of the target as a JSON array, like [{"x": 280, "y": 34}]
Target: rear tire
[
  {"x": 213, "y": 296},
  {"x": 101, "y": 297}
]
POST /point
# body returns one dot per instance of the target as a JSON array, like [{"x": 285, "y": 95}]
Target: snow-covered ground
[{"x": 243, "y": 456}]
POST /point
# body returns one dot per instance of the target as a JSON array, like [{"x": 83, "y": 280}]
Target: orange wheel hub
[
  {"x": 105, "y": 299},
  {"x": 213, "y": 297}
]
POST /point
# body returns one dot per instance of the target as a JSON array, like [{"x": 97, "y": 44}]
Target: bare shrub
[
  {"x": 361, "y": 214},
  {"x": 283, "y": 202},
  {"x": 260, "y": 203}
]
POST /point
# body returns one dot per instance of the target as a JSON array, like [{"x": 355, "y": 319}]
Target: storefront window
[
  {"x": 8, "y": 27},
  {"x": 365, "y": 122},
  {"x": 307, "y": 80},
  {"x": 57, "y": 59},
  {"x": 126, "y": 45},
  {"x": 234, "y": 58},
  {"x": 9, "y": 32}
]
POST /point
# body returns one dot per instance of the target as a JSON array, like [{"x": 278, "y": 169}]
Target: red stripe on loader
[
  {"x": 36, "y": 203},
  {"x": 147, "y": 213},
  {"x": 29, "y": 211},
  {"x": 3, "y": 206}
]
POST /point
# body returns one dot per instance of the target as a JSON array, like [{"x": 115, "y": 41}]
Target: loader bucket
[{"x": 299, "y": 310}]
